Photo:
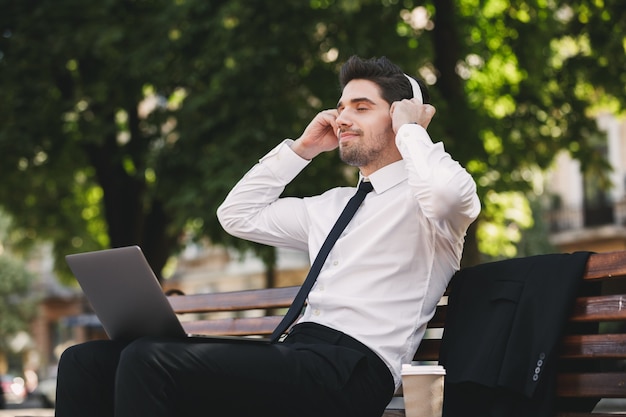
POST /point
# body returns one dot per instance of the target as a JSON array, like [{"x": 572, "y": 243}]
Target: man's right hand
[{"x": 319, "y": 136}]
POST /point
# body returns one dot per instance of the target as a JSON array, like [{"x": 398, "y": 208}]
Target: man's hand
[
  {"x": 410, "y": 111},
  {"x": 319, "y": 136}
]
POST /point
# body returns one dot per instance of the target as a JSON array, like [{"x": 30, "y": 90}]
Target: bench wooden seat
[{"x": 594, "y": 344}]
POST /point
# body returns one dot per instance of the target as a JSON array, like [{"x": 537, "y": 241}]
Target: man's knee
[
  {"x": 143, "y": 355},
  {"x": 92, "y": 352},
  {"x": 140, "y": 349},
  {"x": 144, "y": 371}
]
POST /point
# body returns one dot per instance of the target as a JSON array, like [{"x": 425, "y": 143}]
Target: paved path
[
  {"x": 614, "y": 406},
  {"x": 28, "y": 412},
  {"x": 618, "y": 407}
]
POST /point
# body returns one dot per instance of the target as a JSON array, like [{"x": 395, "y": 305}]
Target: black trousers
[{"x": 315, "y": 371}]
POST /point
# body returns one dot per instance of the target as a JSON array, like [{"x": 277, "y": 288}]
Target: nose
[{"x": 343, "y": 120}]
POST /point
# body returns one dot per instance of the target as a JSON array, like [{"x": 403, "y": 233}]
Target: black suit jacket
[{"x": 504, "y": 321}]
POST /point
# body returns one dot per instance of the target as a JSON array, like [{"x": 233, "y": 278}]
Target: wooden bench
[{"x": 596, "y": 340}]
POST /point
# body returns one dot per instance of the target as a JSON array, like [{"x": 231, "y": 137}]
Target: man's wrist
[{"x": 302, "y": 151}]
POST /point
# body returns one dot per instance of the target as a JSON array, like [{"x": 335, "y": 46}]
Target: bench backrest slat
[
  {"x": 234, "y": 301},
  {"x": 606, "y": 346},
  {"x": 600, "y": 308},
  {"x": 244, "y": 326},
  {"x": 592, "y": 384},
  {"x": 606, "y": 265}
]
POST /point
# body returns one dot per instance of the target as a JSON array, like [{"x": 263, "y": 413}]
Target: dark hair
[{"x": 394, "y": 86}]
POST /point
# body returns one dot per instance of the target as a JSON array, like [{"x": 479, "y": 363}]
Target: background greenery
[{"x": 127, "y": 121}]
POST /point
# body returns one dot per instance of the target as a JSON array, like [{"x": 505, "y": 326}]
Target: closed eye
[{"x": 361, "y": 103}]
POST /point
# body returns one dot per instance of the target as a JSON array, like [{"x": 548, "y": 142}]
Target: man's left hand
[{"x": 410, "y": 111}]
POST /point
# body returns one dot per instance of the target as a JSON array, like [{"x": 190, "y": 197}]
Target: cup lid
[{"x": 408, "y": 369}]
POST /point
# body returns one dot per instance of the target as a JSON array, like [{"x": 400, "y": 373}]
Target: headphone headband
[{"x": 417, "y": 91}]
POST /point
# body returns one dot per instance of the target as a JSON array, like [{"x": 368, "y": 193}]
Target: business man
[{"x": 375, "y": 292}]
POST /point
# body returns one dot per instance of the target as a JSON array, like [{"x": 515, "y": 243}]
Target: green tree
[
  {"x": 98, "y": 149},
  {"x": 126, "y": 122},
  {"x": 532, "y": 74}
]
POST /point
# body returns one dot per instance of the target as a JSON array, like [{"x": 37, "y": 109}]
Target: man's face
[{"x": 366, "y": 138}]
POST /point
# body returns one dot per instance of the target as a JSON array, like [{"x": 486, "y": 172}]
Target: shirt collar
[{"x": 387, "y": 176}]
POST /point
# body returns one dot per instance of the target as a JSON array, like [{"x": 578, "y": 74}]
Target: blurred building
[
  {"x": 582, "y": 213},
  {"x": 203, "y": 268},
  {"x": 50, "y": 331}
]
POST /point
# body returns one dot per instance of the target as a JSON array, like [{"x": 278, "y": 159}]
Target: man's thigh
[{"x": 238, "y": 378}]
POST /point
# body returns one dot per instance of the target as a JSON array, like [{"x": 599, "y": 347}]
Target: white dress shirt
[{"x": 386, "y": 273}]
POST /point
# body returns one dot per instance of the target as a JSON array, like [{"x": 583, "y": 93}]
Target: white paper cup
[{"x": 422, "y": 387}]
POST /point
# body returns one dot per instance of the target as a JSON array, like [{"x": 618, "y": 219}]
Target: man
[{"x": 368, "y": 309}]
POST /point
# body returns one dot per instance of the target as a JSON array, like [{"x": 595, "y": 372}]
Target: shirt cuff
[
  {"x": 413, "y": 131},
  {"x": 283, "y": 162}
]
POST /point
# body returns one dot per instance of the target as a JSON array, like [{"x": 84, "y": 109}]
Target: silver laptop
[{"x": 127, "y": 297}]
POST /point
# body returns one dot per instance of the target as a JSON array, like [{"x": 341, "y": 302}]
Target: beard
[
  {"x": 356, "y": 155},
  {"x": 362, "y": 152}
]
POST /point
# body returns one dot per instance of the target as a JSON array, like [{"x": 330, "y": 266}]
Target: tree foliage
[{"x": 127, "y": 121}]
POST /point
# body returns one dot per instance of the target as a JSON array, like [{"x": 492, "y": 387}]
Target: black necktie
[{"x": 346, "y": 215}]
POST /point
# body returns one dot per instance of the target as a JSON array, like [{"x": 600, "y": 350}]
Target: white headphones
[{"x": 417, "y": 91}]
